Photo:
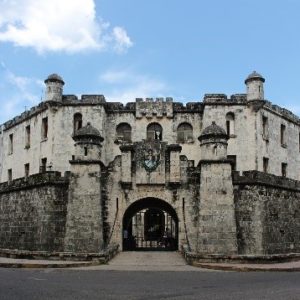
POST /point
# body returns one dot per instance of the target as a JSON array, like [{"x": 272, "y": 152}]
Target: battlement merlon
[
  {"x": 223, "y": 99},
  {"x": 150, "y": 108},
  {"x": 67, "y": 100}
]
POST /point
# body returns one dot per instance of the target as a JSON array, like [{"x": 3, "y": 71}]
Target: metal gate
[{"x": 151, "y": 229}]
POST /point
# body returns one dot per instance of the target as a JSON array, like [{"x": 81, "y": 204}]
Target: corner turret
[
  {"x": 213, "y": 143},
  {"x": 54, "y": 88},
  {"x": 255, "y": 86},
  {"x": 87, "y": 143}
]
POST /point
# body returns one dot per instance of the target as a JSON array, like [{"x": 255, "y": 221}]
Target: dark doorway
[
  {"x": 150, "y": 224},
  {"x": 154, "y": 224}
]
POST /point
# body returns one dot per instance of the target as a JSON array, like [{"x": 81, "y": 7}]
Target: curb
[
  {"x": 27, "y": 265},
  {"x": 245, "y": 268}
]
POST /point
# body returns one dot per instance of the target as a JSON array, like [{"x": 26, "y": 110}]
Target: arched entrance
[{"x": 150, "y": 224}]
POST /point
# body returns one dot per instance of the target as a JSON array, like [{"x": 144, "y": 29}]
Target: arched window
[
  {"x": 77, "y": 122},
  {"x": 184, "y": 133},
  {"x": 230, "y": 123},
  {"x": 154, "y": 132},
  {"x": 123, "y": 132}
]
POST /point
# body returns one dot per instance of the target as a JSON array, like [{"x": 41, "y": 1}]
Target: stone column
[
  {"x": 174, "y": 163},
  {"x": 126, "y": 171},
  {"x": 84, "y": 225},
  {"x": 217, "y": 225}
]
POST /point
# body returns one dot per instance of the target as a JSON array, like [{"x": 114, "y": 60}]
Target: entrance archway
[{"x": 150, "y": 224}]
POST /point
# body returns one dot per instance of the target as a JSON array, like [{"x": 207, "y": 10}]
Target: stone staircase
[{"x": 148, "y": 261}]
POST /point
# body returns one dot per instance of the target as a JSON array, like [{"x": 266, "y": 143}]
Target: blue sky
[{"x": 126, "y": 49}]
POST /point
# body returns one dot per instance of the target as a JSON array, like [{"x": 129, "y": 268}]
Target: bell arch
[{"x": 150, "y": 224}]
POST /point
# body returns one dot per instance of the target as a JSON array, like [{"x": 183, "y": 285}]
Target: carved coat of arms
[{"x": 151, "y": 159}]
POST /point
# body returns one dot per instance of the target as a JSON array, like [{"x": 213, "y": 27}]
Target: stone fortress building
[{"x": 219, "y": 176}]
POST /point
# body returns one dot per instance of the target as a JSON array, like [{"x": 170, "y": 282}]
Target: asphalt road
[{"x": 95, "y": 284}]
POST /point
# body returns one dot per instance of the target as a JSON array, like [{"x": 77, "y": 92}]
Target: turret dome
[
  {"x": 88, "y": 132},
  {"x": 213, "y": 130},
  {"x": 54, "y": 78},
  {"x": 254, "y": 76}
]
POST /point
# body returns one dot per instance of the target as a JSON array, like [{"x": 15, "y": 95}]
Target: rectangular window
[
  {"x": 265, "y": 127},
  {"x": 27, "y": 137},
  {"x": 11, "y": 144},
  {"x": 26, "y": 169},
  {"x": 284, "y": 169},
  {"x": 9, "y": 175},
  {"x": 44, "y": 128},
  {"x": 43, "y": 167},
  {"x": 265, "y": 164},
  {"x": 282, "y": 135},
  {"x": 228, "y": 127}
]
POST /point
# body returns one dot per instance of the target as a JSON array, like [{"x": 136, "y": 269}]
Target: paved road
[
  {"x": 95, "y": 284},
  {"x": 146, "y": 276}
]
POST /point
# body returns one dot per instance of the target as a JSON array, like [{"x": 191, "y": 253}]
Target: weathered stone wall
[
  {"x": 242, "y": 142},
  {"x": 269, "y": 144},
  {"x": 33, "y": 213},
  {"x": 217, "y": 224},
  {"x": 246, "y": 139},
  {"x": 58, "y": 147},
  {"x": 84, "y": 225},
  {"x": 267, "y": 213},
  {"x": 180, "y": 196}
]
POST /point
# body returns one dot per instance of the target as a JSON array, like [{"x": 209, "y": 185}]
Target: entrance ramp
[{"x": 148, "y": 261}]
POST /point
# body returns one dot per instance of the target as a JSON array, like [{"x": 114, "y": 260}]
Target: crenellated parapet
[
  {"x": 190, "y": 107},
  {"x": 150, "y": 108},
  {"x": 262, "y": 178},
  {"x": 222, "y": 99},
  {"x": 283, "y": 112},
  {"x": 84, "y": 100},
  {"x": 118, "y": 107},
  {"x": 35, "y": 180}
]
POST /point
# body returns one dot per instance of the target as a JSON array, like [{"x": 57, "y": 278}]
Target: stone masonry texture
[
  {"x": 225, "y": 170},
  {"x": 33, "y": 213}
]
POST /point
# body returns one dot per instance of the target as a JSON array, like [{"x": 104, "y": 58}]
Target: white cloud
[
  {"x": 23, "y": 85},
  {"x": 116, "y": 76},
  {"x": 122, "y": 40},
  {"x": 55, "y": 25},
  {"x": 126, "y": 85},
  {"x": 17, "y": 92}
]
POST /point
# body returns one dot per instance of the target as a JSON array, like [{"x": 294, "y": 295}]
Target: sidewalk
[
  {"x": 293, "y": 266},
  {"x": 33, "y": 263},
  {"x": 134, "y": 262}
]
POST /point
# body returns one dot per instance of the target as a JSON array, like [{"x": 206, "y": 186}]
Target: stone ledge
[
  {"x": 261, "y": 178},
  {"x": 46, "y": 264},
  {"x": 174, "y": 147},
  {"x": 101, "y": 257},
  {"x": 194, "y": 258},
  {"x": 85, "y": 162},
  {"x": 210, "y": 161},
  {"x": 248, "y": 267},
  {"x": 39, "y": 179}
]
